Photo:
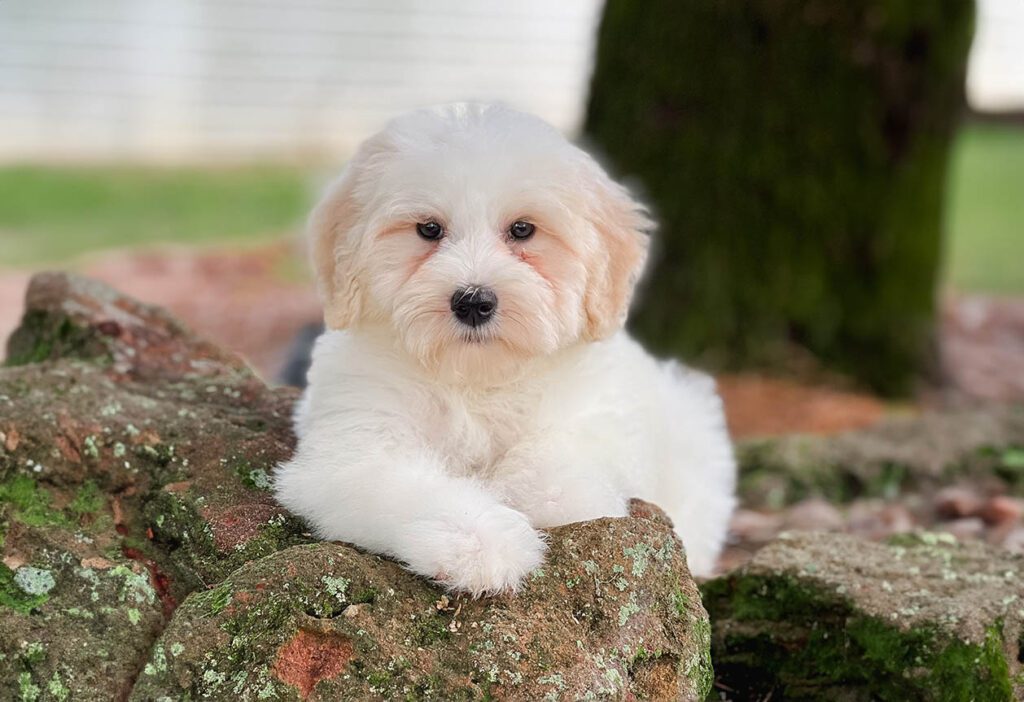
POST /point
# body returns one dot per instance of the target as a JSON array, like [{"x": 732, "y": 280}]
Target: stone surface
[
  {"x": 1002, "y": 510},
  {"x": 922, "y": 452},
  {"x": 827, "y": 616},
  {"x": 957, "y": 501},
  {"x": 613, "y": 614},
  {"x": 938, "y": 471},
  {"x": 67, "y": 316},
  {"x": 813, "y": 514},
  {"x": 144, "y": 558},
  {"x": 133, "y": 470}
]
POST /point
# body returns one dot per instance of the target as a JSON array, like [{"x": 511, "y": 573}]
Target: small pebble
[
  {"x": 748, "y": 525},
  {"x": 1001, "y": 510},
  {"x": 964, "y": 528},
  {"x": 954, "y": 501},
  {"x": 875, "y": 520},
  {"x": 1014, "y": 540},
  {"x": 814, "y": 514},
  {"x": 353, "y": 610}
]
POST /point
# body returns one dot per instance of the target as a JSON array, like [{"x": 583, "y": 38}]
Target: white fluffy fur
[{"x": 446, "y": 447}]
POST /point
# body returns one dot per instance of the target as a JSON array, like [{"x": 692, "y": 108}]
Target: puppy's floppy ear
[
  {"x": 622, "y": 227},
  {"x": 333, "y": 252}
]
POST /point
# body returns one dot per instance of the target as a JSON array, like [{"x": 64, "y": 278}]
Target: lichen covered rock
[
  {"x": 613, "y": 614},
  {"x": 825, "y": 616},
  {"x": 124, "y": 425},
  {"x": 74, "y": 606},
  {"x": 68, "y": 316},
  {"x": 144, "y": 556}
]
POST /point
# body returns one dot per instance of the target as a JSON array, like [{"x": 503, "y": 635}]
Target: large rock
[
  {"x": 135, "y": 464},
  {"x": 133, "y": 469},
  {"x": 68, "y": 316},
  {"x": 821, "y": 616},
  {"x": 612, "y": 615}
]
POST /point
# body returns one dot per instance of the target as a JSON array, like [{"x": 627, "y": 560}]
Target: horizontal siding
[
  {"x": 200, "y": 79},
  {"x": 995, "y": 78},
  {"x": 187, "y": 79}
]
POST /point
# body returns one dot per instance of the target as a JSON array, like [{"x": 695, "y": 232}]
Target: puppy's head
[{"x": 480, "y": 236}]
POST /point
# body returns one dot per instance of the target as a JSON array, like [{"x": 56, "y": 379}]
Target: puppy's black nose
[{"x": 474, "y": 306}]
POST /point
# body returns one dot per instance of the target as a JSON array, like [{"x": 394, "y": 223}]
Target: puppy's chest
[{"x": 474, "y": 432}]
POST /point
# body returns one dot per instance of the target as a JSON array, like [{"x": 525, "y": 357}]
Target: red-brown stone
[{"x": 312, "y": 656}]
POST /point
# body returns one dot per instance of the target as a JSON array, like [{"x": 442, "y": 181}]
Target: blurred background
[{"x": 840, "y": 185}]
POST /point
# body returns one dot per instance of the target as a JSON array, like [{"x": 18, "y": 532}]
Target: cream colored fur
[{"x": 447, "y": 447}]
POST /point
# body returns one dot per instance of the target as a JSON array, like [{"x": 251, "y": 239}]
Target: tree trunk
[{"x": 795, "y": 154}]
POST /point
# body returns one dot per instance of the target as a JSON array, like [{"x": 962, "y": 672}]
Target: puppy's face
[{"x": 480, "y": 236}]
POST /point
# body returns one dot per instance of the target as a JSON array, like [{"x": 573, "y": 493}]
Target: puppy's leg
[
  {"x": 555, "y": 482},
  {"x": 696, "y": 484},
  {"x": 400, "y": 502}
]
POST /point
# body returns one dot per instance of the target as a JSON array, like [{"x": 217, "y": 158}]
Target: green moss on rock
[
  {"x": 328, "y": 622},
  {"x": 28, "y": 503},
  {"x": 816, "y": 616},
  {"x": 209, "y": 531},
  {"x": 42, "y": 336},
  {"x": 16, "y": 596},
  {"x": 88, "y": 500}
]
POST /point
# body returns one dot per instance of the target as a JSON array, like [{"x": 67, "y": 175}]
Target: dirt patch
[{"x": 758, "y": 405}]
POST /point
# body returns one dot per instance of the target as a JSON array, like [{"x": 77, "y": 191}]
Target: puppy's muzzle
[{"x": 474, "y": 306}]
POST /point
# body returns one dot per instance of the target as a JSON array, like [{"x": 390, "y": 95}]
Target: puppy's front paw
[{"x": 485, "y": 555}]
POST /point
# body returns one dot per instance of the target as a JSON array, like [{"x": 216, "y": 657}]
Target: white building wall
[
  {"x": 995, "y": 74},
  {"x": 186, "y": 79},
  {"x": 248, "y": 79}
]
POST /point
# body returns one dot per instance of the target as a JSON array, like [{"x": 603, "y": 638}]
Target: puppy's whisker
[{"x": 466, "y": 292}]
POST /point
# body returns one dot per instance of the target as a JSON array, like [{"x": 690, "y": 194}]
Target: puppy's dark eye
[
  {"x": 430, "y": 230},
  {"x": 521, "y": 230}
]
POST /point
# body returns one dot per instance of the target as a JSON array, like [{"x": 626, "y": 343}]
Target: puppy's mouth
[{"x": 475, "y": 337}]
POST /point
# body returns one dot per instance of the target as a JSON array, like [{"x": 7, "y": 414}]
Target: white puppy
[{"x": 475, "y": 382}]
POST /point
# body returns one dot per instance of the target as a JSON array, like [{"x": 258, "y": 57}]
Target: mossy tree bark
[{"x": 795, "y": 154}]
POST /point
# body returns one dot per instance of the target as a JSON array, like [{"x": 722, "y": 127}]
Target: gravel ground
[{"x": 964, "y": 511}]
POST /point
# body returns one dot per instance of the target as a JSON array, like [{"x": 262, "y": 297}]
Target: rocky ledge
[
  {"x": 819, "y": 616},
  {"x": 144, "y": 559}
]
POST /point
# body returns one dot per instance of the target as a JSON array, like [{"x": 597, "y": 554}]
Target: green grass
[
  {"x": 985, "y": 215},
  {"x": 51, "y": 215}
]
